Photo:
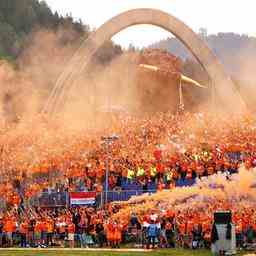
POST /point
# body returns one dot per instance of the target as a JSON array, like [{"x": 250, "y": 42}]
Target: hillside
[
  {"x": 237, "y": 52},
  {"x": 35, "y": 45},
  {"x": 20, "y": 18}
]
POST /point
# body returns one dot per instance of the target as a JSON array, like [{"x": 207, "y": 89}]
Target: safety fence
[
  {"x": 55, "y": 199},
  {"x": 66, "y": 199}
]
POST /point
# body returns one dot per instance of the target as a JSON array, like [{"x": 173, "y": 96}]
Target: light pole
[
  {"x": 213, "y": 95},
  {"x": 108, "y": 141}
]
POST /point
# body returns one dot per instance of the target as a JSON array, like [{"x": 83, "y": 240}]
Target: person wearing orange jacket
[
  {"x": 109, "y": 233},
  {"x": 160, "y": 185},
  {"x": 50, "y": 231},
  {"x": 71, "y": 234},
  {"x": 43, "y": 232},
  {"x": 117, "y": 234},
  {"x": 23, "y": 230},
  {"x": 9, "y": 229},
  {"x": 1, "y": 231},
  {"x": 182, "y": 233},
  {"x": 38, "y": 231}
]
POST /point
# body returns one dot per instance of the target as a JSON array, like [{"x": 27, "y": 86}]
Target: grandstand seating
[{"x": 128, "y": 189}]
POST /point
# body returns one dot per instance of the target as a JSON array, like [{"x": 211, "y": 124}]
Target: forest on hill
[
  {"x": 38, "y": 41},
  {"x": 20, "y": 18}
]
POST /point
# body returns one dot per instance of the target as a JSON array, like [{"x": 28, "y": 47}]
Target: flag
[{"x": 82, "y": 198}]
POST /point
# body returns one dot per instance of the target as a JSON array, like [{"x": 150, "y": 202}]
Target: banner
[{"x": 82, "y": 198}]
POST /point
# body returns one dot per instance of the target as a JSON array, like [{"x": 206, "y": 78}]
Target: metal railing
[
  {"x": 61, "y": 199},
  {"x": 49, "y": 200},
  {"x": 122, "y": 195}
]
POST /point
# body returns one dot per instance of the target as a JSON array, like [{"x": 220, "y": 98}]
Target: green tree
[
  {"x": 19, "y": 17},
  {"x": 8, "y": 39}
]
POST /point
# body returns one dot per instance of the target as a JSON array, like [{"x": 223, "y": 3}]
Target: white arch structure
[{"x": 222, "y": 82}]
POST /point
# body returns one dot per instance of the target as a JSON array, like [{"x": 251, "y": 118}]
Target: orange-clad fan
[
  {"x": 23, "y": 229},
  {"x": 39, "y": 167},
  {"x": 71, "y": 234},
  {"x": 10, "y": 227},
  {"x": 117, "y": 234}
]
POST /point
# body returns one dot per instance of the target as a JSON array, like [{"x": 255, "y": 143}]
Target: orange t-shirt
[
  {"x": 100, "y": 173},
  {"x": 160, "y": 186},
  {"x": 71, "y": 228},
  {"x": 239, "y": 227},
  {"x": 117, "y": 233},
  {"x": 206, "y": 226},
  {"x": 24, "y": 228},
  {"x": 254, "y": 226},
  {"x": 50, "y": 227},
  {"x": 9, "y": 226},
  {"x": 190, "y": 225},
  {"x": 62, "y": 228},
  {"x": 110, "y": 232},
  {"x": 38, "y": 226},
  {"x": 182, "y": 228},
  {"x": 44, "y": 226}
]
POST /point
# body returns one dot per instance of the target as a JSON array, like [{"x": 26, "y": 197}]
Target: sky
[{"x": 216, "y": 15}]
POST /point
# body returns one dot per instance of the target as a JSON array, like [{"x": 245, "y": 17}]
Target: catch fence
[{"x": 62, "y": 199}]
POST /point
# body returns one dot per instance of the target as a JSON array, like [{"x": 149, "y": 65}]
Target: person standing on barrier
[
  {"x": 71, "y": 234},
  {"x": 133, "y": 228},
  {"x": 81, "y": 230},
  {"x": 38, "y": 229},
  {"x": 196, "y": 237},
  {"x": 134, "y": 219},
  {"x": 50, "y": 231},
  {"x": 76, "y": 219},
  {"x": 10, "y": 228},
  {"x": 152, "y": 234},
  {"x": 170, "y": 235},
  {"x": 117, "y": 235},
  {"x": 31, "y": 232},
  {"x": 108, "y": 232},
  {"x": 145, "y": 225},
  {"x": 23, "y": 230},
  {"x": 61, "y": 229},
  {"x": 44, "y": 233},
  {"x": 163, "y": 238},
  {"x": 1, "y": 232},
  {"x": 100, "y": 234}
]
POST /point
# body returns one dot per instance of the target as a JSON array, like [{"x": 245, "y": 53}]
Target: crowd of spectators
[
  {"x": 162, "y": 149},
  {"x": 90, "y": 227}
]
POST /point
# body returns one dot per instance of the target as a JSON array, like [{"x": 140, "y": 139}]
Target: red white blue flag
[{"x": 82, "y": 198}]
